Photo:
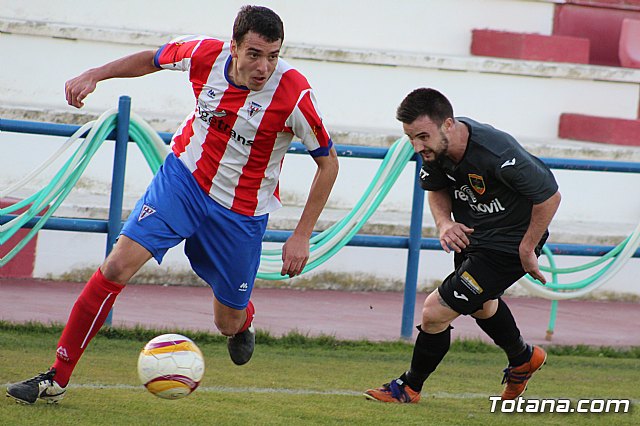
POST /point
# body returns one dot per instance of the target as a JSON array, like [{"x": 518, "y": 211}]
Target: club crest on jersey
[
  {"x": 477, "y": 183},
  {"x": 146, "y": 211},
  {"x": 253, "y": 109}
]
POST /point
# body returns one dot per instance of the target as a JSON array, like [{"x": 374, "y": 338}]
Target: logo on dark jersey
[
  {"x": 253, "y": 108},
  {"x": 477, "y": 183},
  {"x": 508, "y": 163},
  {"x": 146, "y": 211}
]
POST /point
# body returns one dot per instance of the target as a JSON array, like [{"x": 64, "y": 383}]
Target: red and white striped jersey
[{"x": 235, "y": 140}]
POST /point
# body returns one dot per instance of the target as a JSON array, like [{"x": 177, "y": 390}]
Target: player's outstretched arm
[
  {"x": 136, "y": 65},
  {"x": 295, "y": 252}
]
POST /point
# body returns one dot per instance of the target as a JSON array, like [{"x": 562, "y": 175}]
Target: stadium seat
[
  {"x": 601, "y": 25},
  {"x": 22, "y": 265},
  {"x": 617, "y": 131},
  {"x": 528, "y": 46},
  {"x": 629, "y": 46}
]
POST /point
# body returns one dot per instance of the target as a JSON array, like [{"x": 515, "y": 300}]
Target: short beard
[{"x": 444, "y": 144}]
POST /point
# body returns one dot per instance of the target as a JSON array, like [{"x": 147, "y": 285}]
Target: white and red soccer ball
[{"x": 171, "y": 366}]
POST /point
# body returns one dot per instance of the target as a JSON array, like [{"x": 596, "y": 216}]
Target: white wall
[
  {"x": 436, "y": 26},
  {"x": 352, "y": 94}
]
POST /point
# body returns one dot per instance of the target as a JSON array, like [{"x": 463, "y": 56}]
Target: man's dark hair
[
  {"x": 259, "y": 19},
  {"x": 427, "y": 102}
]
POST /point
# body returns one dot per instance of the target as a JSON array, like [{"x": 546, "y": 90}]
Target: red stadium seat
[
  {"x": 629, "y": 46},
  {"x": 616, "y": 131},
  {"x": 601, "y": 25},
  {"x": 535, "y": 47},
  {"x": 22, "y": 265}
]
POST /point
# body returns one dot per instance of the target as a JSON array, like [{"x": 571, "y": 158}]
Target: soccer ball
[{"x": 170, "y": 366}]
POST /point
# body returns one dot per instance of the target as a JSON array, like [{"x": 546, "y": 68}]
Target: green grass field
[{"x": 297, "y": 380}]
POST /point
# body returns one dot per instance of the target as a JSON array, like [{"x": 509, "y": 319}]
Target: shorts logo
[
  {"x": 243, "y": 287},
  {"x": 460, "y": 296},
  {"x": 471, "y": 283},
  {"x": 477, "y": 183},
  {"x": 146, "y": 211}
]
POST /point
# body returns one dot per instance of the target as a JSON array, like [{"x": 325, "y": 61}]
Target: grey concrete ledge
[
  {"x": 81, "y": 204},
  {"x": 73, "y": 116},
  {"x": 74, "y": 32},
  {"x": 333, "y": 54},
  {"x": 551, "y": 148}
]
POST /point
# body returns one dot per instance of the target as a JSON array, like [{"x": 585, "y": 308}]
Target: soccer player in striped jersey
[{"x": 216, "y": 188}]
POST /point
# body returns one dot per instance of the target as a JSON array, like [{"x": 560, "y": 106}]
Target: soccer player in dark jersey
[{"x": 492, "y": 202}]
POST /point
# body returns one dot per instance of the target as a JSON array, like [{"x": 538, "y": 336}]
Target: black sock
[
  {"x": 502, "y": 328},
  {"x": 428, "y": 351}
]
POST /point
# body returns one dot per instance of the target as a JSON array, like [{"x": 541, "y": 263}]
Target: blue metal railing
[{"x": 413, "y": 243}]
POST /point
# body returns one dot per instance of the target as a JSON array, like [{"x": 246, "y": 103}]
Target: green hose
[{"x": 55, "y": 192}]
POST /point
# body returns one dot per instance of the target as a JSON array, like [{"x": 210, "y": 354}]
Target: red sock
[
  {"x": 251, "y": 312},
  {"x": 87, "y": 316}
]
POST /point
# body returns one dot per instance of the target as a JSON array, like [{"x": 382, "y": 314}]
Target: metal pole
[
  {"x": 552, "y": 320},
  {"x": 413, "y": 258},
  {"x": 117, "y": 180}
]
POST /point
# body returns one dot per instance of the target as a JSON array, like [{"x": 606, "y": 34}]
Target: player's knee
[
  {"x": 116, "y": 269},
  {"x": 113, "y": 271},
  {"x": 125, "y": 260},
  {"x": 121, "y": 265},
  {"x": 228, "y": 326},
  {"x": 436, "y": 314},
  {"x": 436, "y": 327},
  {"x": 433, "y": 323}
]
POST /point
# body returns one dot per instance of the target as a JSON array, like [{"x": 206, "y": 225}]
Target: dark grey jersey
[{"x": 494, "y": 186}]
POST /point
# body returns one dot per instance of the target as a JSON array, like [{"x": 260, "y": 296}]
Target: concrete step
[
  {"x": 570, "y": 145},
  {"x": 377, "y": 26},
  {"x": 397, "y": 223},
  {"x": 575, "y": 142},
  {"x": 80, "y": 204},
  {"x": 139, "y": 39},
  {"x": 579, "y": 220},
  {"x": 540, "y": 90}
]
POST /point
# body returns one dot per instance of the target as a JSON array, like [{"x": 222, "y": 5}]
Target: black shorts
[{"x": 480, "y": 275}]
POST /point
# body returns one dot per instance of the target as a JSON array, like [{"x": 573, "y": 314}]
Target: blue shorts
[{"x": 223, "y": 246}]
